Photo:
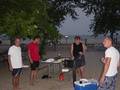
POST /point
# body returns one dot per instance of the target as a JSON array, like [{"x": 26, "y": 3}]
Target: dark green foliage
[{"x": 106, "y": 15}]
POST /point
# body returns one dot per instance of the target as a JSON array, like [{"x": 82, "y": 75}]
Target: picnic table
[{"x": 53, "y": 65}]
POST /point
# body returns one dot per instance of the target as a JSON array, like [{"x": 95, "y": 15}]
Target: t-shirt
[
  {"x": 34, "y": 51},
  {"x": 15, "y": 56},
  {"x": 112, "y": 53}
]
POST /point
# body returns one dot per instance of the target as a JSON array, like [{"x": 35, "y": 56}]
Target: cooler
[{"x": 86, "y": 85}]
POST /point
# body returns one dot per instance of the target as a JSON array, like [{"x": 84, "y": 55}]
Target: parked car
[{"x": 4, "y": 39}]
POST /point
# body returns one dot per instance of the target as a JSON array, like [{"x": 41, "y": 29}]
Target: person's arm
[
  {"x": 10, "y": 53},
  {"x": 84, "y": 48},
  {"x": 103, "y": 60},
  {"x": 105, "y": 69},
  {"x": 30, "y": 59},
  {"x": 21, "y": 57},
  {"x": 118, "y": 64},
  {"x": 72, "y": 51},
  {"x": 9, "y": 61}
]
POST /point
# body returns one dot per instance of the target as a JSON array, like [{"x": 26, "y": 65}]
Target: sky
[{"x": 76, "y": 27}]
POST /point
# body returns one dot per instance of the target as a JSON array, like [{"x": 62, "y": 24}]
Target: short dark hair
[
  {"x": 36, "y": 37},
  {"x": 109, "y": 38},
  {"x": 14, "y": 39},
  {"x": 17, "y": 37},
  {"x": 77, "y": 38}
]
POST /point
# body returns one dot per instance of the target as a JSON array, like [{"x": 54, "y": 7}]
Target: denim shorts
[{"x": 16, "y": 72}]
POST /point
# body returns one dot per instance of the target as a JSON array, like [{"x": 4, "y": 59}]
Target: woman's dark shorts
[{"x": 79, "y": 61}]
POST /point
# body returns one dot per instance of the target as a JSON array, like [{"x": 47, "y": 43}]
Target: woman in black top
[{"x": 77, "y": 52}]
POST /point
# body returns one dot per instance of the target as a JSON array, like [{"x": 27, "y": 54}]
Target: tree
[
  {"x": 106, "y": 15},
  {"x": 59, "y": 9},
  {"x": 20, "y": 17},
  {"x": 27, "y": 17}
]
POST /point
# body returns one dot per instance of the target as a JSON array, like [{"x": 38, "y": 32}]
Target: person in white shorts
[
  {"x": 111, "y": 63},
  {"x": 15, "y": 62}
]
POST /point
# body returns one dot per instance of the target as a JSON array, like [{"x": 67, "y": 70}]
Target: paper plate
[
  {"x": 25, "y": 66},
  {"x": 65, "y": 70},
  {"x": 50, "y": 60}
]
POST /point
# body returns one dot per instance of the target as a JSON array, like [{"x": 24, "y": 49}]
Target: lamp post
[{"x": 66, "y": 38}]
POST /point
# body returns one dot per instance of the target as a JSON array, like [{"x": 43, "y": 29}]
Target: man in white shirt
[
  {"x": 111, "y": 62},
  {"x": 15, "y": 62}
]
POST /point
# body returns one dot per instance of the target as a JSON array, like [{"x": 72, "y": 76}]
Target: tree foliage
[
  {"x": 25, "y": 18},
  {"x": 106, "y": 14},
  {"x": 59, "y": 9},
  {"x": 30, "y": 17}
]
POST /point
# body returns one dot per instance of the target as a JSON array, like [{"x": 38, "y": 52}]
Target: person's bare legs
[
  {"x": 15, "y": 82},
  {"x": 32, "y": 77},
  {"x": 74, "y": 76},
  {"x": 78, "y": 72},
  {"x": 37, "y": 77},
  {"x": 18, "y": 82},
  {"x": 82, "y": 72}
]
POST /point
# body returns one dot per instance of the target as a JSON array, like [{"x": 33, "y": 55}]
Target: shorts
[
  {"x": 79, "y": 62},
  {"x": 34, "y": 65},
  {"x": 109, "y": 83},
  {"x": 16, "y": 72}
]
